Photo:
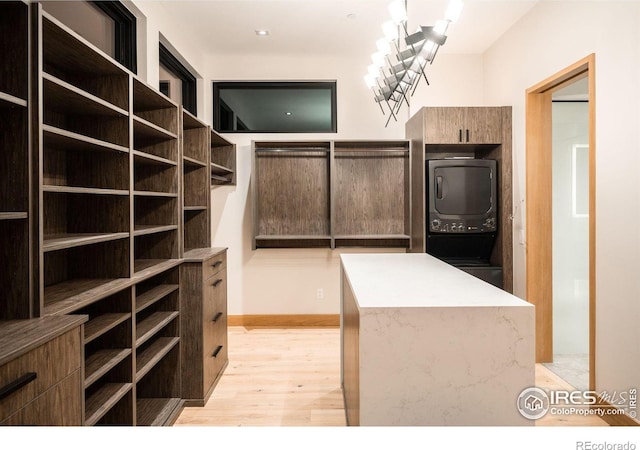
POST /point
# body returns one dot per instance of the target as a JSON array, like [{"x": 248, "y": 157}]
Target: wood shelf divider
[
  {"x": 102, "y": 362},
  {"x": 99, "y": 403}
]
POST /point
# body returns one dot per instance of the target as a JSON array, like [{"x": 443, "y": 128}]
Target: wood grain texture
[
  {"x": 14, "y": 277},
  {"x": 102, "y": 400},
  {"x": 51, "y": 361},
  {"x": 414, "y": 131},
  {"x": 196, "y": 186},
  {"x": 14, "y": 160},
  {"x": 14, "y": 49},
  {"x": 204, "y": 299},
  {"x": 195, "y": 144},
  {"x": 197, "y": 231},
  {"x": 158, "y": 411},
  {"x": 350, "y": 352},
  {"x": 155, "y": 178},
  {"x": 285, "y": 320},
  {"x": 370, "y": 193},
  {"x": 223, "y": 155},
  {"x": 292, "y": 190},
  {"x": 291, "y": 377},
  {"x": 59, "y": 406},
  {"x": 539, "y": 224},
  {"x": 100, "y": 362}
]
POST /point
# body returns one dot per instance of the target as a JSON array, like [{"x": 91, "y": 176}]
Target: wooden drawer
[
  {"x": 50, "y": 362},
  {"x": 213, "y": 265},
  {"x": 60, "y": 405},
  {"x": 214, "y": 311}
]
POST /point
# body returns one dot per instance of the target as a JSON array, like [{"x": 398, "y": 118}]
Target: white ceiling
[{"x": 332, "y": 27}]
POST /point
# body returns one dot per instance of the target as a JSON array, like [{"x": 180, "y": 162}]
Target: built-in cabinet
[
  {"x": 477, "y": 132},
  {"x": 204, "y": 321},
  {"x": 105, "y": 182},
  {"x": 331, "y": 194}
]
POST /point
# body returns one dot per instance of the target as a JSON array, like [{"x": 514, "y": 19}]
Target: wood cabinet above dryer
[{"x": 463, "y": 125}]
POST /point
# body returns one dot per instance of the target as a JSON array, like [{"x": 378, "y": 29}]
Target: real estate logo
[{"x": 533, "y": 403}]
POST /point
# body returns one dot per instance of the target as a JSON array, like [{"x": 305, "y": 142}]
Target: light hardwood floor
[{"x": 291, "y": 377}]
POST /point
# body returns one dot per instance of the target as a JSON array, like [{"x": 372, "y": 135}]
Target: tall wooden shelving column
[
  {"x": 15, "y": 198},
  {"x": 109, "y": 223}
]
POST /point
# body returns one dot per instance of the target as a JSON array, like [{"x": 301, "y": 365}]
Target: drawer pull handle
[
  {"x": 12, "y": 387},
  {"x": 216, "y": 317},
  {"x": 216, "y": 264},
  {"x": 217, "y": 282},
  {"x": 217, "y": 350}
]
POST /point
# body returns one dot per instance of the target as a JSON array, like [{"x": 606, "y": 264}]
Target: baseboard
[
  {"x": 615, "y": 420},
  {"x": 285, "y": 320}
]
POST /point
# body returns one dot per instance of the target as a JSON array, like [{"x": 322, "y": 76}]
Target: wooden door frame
[{"x": 539, "y": 289}]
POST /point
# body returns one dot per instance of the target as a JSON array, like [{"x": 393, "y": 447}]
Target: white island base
[{"x": 424, "y": 343}]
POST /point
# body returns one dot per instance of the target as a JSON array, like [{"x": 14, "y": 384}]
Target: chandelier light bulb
[
  {"x": 390, "y": 31},
  {"x": 441, "y": 27},
  {"x": 398, "y": 12},
  {"x": 383, "y": 46},
  {"x": 370, "y": 81},
  {"x": 453, "y": 10},
  {"x": 374, "y": 70},
  {"x": 378, "y": 59}
]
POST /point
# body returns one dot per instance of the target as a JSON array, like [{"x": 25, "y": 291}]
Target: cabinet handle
[
  {"x": 217, "y": 282},
  {"x": 15, "y": 385},
  {"x": 460, "y": 135},
  {"x": 216, "y": 317},
  {"x": 216, "y": 351},
  {"x": 467, "y": 135},
  {"x": 216, "y": 264}
]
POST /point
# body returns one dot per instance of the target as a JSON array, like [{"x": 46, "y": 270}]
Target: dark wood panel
[
  {"x": 155, "y": 210},
  {"x": 59, "y": 406},
  {"x": 163, "y": 380},
  {"x": 14, "y": 160},
  {"x": 158, "y": 411},
  {"x": 191, "y": 306},
  {"x": 106, "y": 170},
  {"x": 114, "y": 130},
  {"x": 101, "y": 324},
  {"x": 51, "y": 362},
  {"x": 102, "y": 400},
  {"x": 153, "y": 295},
  {"x": 196, "y": 186},
  {"x": 197, "y": 232},
  {"x": 350, "y": 353},
  {"x": 370, "y": 193},
  {"x": 195, "y": 144},
  {"x": 152, "y": 324},
  {"x": 14, "y": 38},
  {"x": 151, "y": 355},
  {"x": 155, "y": 178},
  {"x": 100, "y": 362},
  {"x": 14, "y": 276},
  {"x": 71, "y": 295},
  {"x": 293, "y": 194},
  {"x": 157, "y": 246}
]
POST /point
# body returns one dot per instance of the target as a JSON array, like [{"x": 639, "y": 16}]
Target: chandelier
[{"x": 401, "y": 59}]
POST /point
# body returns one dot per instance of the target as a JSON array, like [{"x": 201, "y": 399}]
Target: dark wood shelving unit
[
  {"x": 371, "y": 195},
  {"x": 196, "y": 182},
  {"x": 331, "y": 194},
  {"x": 223, "y": 161},
  {"x": 15, "y": 167},
  {"x": 103, "y": 183},
  {"x": 291, "y": 192}
]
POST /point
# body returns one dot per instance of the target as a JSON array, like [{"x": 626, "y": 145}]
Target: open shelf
[
  {"x": 147, "y": 158},
  {"x": 223, "y": 160},
  {"x": 291, "y": 191},
  {"x": 101, "y": 362},
  {"x": 152, "y": 324},
  {"x": 14, "y": 215},
  {"x": 155, "y": 178},
  {"x": 195, "y": 140},
  {"x": 154, "y": 294},
  {"x": 68, "y": 296},
  {"x": 8, "y": 101},
  {"x": 67, "y": 98},
  {"x": 154, "y": 108},
  {"x": 102, "y": 400},
  {"x": 14, "y": 159},
  {"x": 150, "y": 132},
  {"x": 71, "y": 58},
  {"x": 371, "y": 194},
  {"x": 190, "y": 162},
  {"x": 60, "y": 139},
  {"x": 151, "y": 355},
  {"x": 101, "y": 324},
  {"x": 14, "y": 277},
  {"x": 196, "y": 227},
  {"x": 55, "y": 242},
  {"x": 142, "y": 230},
  {"x": 156, "y": 411}
]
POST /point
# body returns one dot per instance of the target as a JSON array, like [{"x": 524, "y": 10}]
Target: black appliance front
[{"x": 462, "y": 209}]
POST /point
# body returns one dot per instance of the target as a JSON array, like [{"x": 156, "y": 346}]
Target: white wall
[
  {"x": 285, "y": 281},
  {"x": 550, "y": 37},
  {"x": 570, "y": 230}
]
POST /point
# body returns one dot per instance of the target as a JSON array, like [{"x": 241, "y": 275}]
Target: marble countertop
[{"x": 416, "y": 280}]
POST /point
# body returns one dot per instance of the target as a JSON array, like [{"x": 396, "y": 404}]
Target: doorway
[{"x": 540, "y": 212}]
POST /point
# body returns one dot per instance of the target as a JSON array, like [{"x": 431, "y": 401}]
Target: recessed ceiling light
[
  {"x": 262, "y": 32},
  {"x": 288, "y": 113}
]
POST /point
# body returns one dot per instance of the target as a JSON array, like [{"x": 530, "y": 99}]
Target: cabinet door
[
  {"x": 444, "y": 125},
  {"x": 468, "y": 125},
  {"x": 483, "y": 126}
]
